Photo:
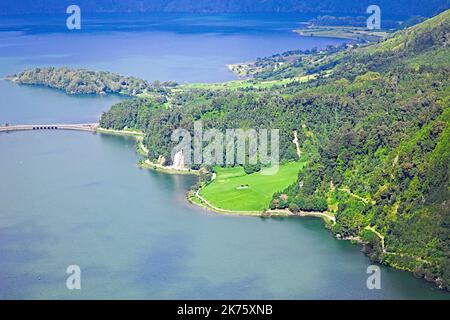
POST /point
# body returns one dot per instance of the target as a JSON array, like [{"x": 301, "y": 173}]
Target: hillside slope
[{"x": 375, "y": 124}]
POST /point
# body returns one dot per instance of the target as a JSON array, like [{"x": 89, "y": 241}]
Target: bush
[
  {"x": 294, "y": 208},
  {"x": 252, "y": 168}
]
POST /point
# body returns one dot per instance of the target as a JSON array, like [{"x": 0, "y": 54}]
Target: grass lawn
[
  {"x": 243, "y": 84},
  {"x": 223, "y": 192},
  {"x": 352, "y": 33}
]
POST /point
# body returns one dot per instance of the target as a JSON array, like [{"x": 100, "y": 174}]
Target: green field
[
  {"x": 351, "y": 33},
  {"x": 243, "y": 84},
  {"x": 223, "y": 192}
]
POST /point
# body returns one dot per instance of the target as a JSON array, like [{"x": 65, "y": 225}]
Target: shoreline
[
  {"x": 398, "y": 258},
  {"x": 349, "y": 33},
  {"x": 134, "y": 133},
  {"x": 203, "y": 203},
  {"x": 142, "y": 150},
  {"x": 147, "y": 164},
  {"x": 197, "y": 200}
]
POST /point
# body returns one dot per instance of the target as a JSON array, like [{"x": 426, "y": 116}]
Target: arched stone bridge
[{"x": 24, "y": 127}]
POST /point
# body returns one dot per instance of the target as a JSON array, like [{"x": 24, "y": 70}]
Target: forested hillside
[{"x": 375, "y": 123}]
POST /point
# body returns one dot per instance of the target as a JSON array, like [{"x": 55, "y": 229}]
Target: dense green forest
[
  {"x": 80, "y": 81},
  {"x": 375, "y": 123}
]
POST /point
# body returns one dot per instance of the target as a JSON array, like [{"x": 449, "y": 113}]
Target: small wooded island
[
  {"x": 81, "y": 81},
  {"x": 372, "y": 123}
]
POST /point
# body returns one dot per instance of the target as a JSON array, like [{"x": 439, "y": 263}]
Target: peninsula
[{"x": 81, "y": 81}]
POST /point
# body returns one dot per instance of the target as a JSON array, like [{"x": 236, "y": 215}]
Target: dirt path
[
  {"x": 347, "y": 190},
  {"x": 295, "y": 141},
  {"x": 379, "y": 236},
  {"x": 317, "y": 214},
  {"x": 248, "y": 213},
  {"x": 285, "y": 212}
]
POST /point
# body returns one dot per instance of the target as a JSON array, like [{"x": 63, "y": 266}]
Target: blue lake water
[
  {"x": 185, "y": 48},
  {"x": 74, "y": 198}
]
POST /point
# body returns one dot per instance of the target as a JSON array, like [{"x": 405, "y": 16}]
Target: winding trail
[
  {"x": 324, "y": 215},
  {"x": 249, "y": 213},
  {"x": 379, "y": 236},
  {"x": 295, "y": 141},
  {"x": 284, "y": 212},
  {"x": 348, "y": 191},
  {"x": 377, "y": 233},
  {"x": 383, "y": 247}
]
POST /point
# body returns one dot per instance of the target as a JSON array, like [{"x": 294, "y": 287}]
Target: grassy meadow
[{"x": 235, "y": 190}]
